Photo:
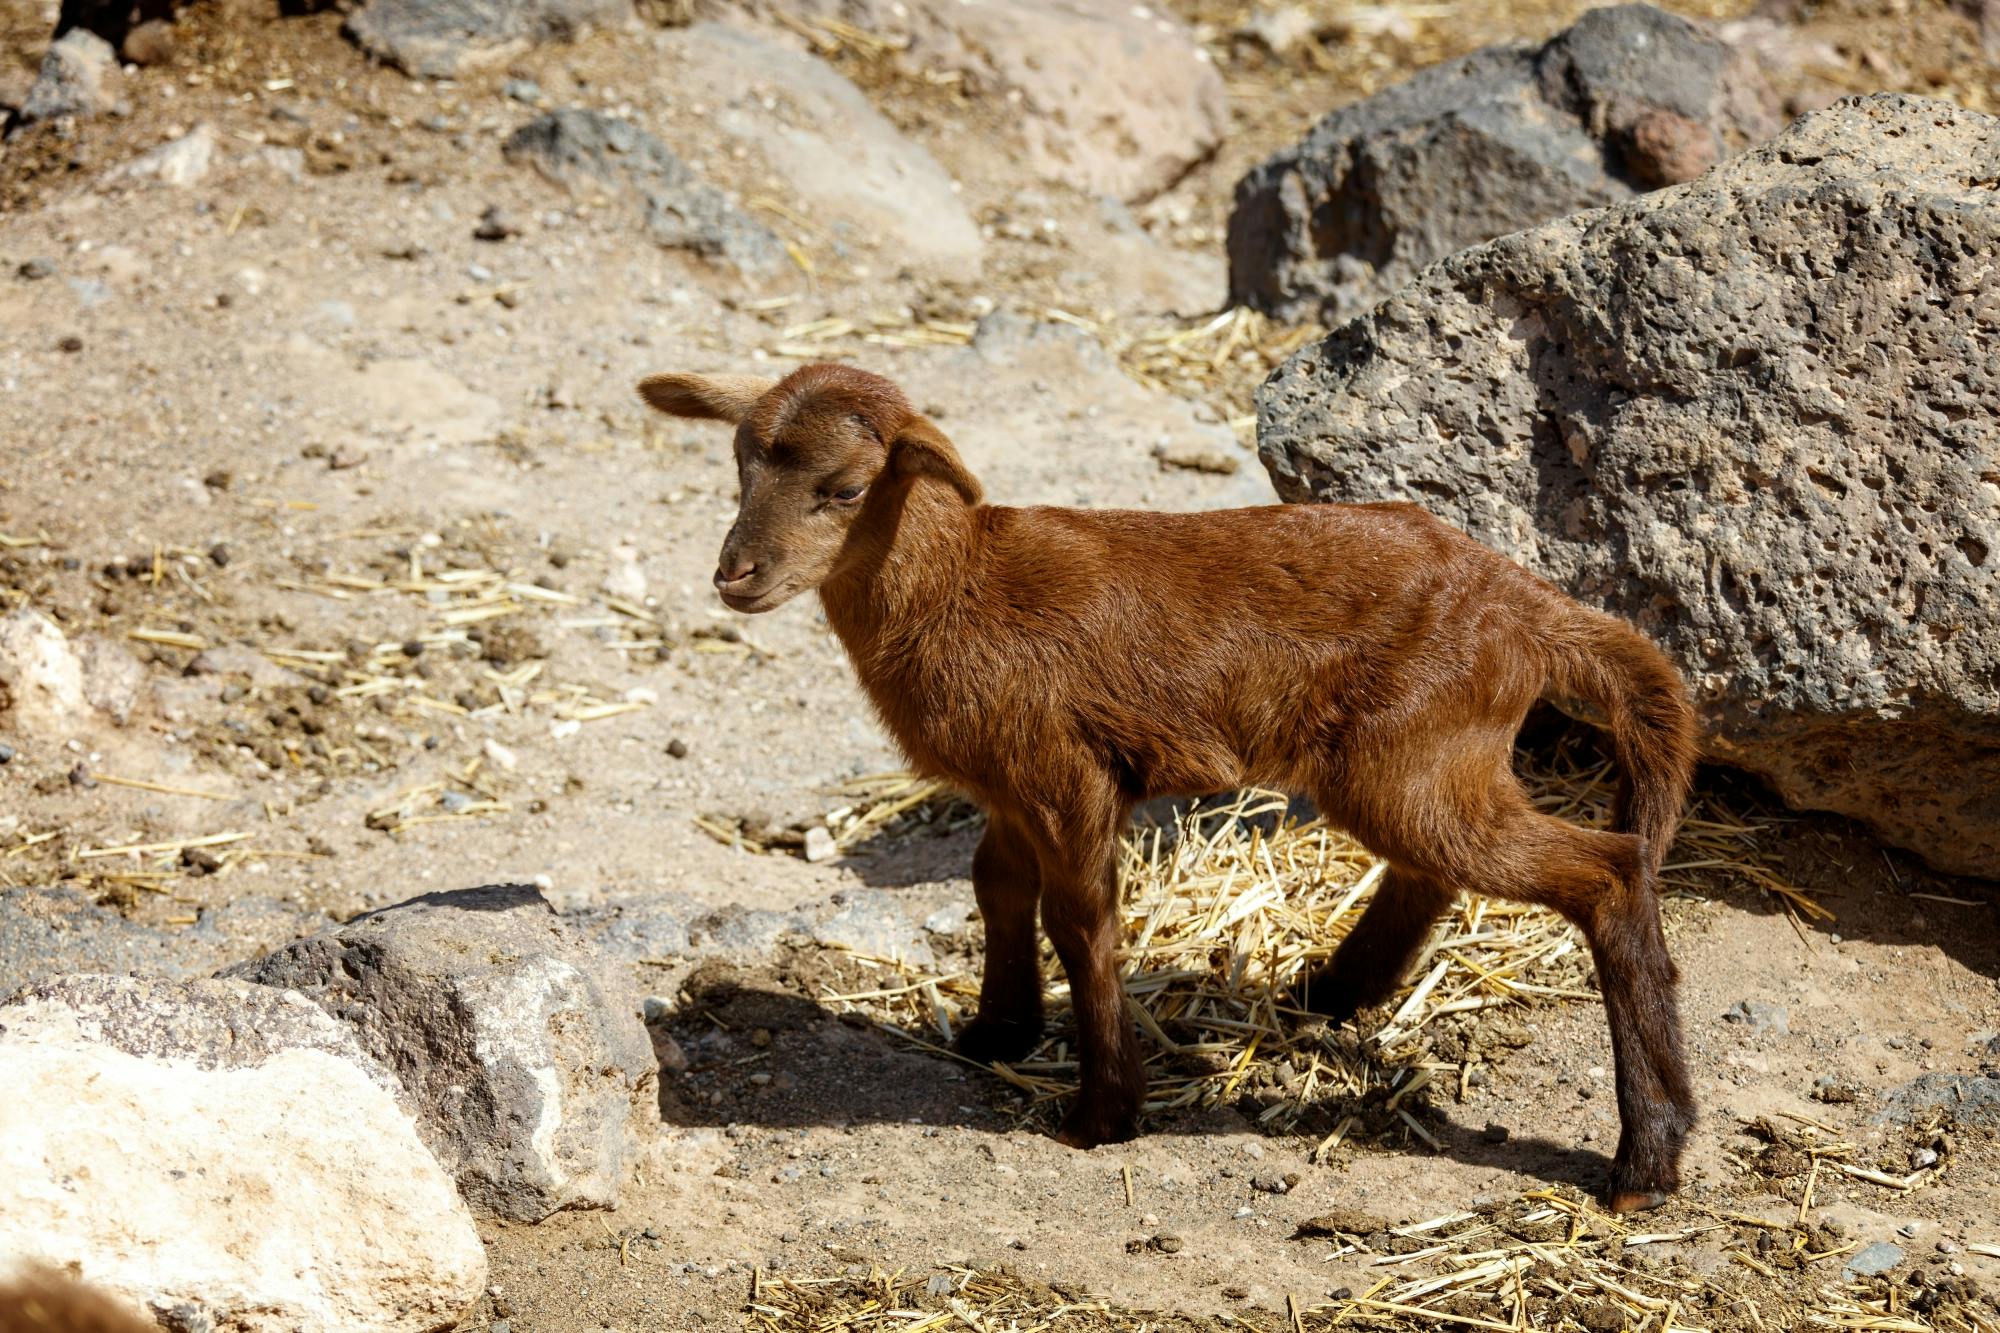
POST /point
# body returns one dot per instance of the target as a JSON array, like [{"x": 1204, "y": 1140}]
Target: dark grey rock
[
  {"x": 441, "y": 38},
  {"x": 639, "y": 931},
  {"x": 524, "y": 1063},
  {"x": 679, "y": 210},
  {"x": 78, "y": 78},
  {"x": 1627, "y": 99},
  {"x": 1753, "y": 414},
  {"x": 1970, "y": 1099}
]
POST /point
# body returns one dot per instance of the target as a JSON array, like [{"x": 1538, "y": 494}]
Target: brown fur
[
  {"x": 1061, "y": 665},
  {"x": 44, "y": 1301}
]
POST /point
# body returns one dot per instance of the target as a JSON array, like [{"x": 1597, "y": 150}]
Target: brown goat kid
[{"x": 1061, "y": 665}]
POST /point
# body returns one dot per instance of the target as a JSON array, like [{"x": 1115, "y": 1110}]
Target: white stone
[
  {"x": 286, "y": 1191},
  {"x": 41, "y": 679}
]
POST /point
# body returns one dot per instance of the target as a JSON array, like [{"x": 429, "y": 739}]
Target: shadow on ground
[{"x": 759, "y": 1056}]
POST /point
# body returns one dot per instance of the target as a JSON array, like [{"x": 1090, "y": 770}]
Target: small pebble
[
  {"x": 495, "y": 225},
  {"x": 522, "y": 90},
  {"x": 677, "y": 748},
  {"x": 35, "y": 269},
  {"x": 7, "y": 753},
  {"x": 80, "y": 777},
  {"x": 219, "y": 556},
  {"x": 70, "y": 343}
]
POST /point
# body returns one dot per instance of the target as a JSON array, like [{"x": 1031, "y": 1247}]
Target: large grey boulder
[
  {"x": 440, "y": 39},
  {"x": 222, "y": 1155},
  {"x": 579, "y": 148},
  {"x": 1760, "y": 416},
  {"x": 525, "y": 1064},
  {"x": 1628, "y": 99}
]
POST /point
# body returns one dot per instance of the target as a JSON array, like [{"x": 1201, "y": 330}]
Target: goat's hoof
[
  {"x": 1637, "y": 1201},
  {"x": 1325, "y": 996},
  {"x": 1081, "y": 1129},
  {"x": 988, "y": 1041}
]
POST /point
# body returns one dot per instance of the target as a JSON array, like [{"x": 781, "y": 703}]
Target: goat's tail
[{"x": 1611, "y": 666}]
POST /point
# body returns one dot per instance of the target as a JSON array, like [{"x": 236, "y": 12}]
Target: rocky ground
[{"x": 373, "y": 578}]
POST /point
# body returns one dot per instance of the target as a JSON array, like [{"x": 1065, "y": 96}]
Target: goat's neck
[{"x": 901, "y": 575}]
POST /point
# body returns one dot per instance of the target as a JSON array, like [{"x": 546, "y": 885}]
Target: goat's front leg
[
  {"x": 1007, "y": 880},
  {"x": 1080, "y": 912}
]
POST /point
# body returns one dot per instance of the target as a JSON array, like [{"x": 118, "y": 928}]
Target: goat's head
[{"x": 816, "y": 453}]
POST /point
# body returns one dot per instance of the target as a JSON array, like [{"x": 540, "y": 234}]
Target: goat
[
  {"x": 1060, "y": 665},
  {"x": 42, "y": 1300}
]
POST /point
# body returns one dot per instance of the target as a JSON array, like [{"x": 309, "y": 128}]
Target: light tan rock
[{"x": 222, "y": 1154}]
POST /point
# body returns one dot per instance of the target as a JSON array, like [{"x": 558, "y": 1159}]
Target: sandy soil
[{"x": 280, "y": 438}]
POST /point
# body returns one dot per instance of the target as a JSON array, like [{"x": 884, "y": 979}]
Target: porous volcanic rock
[{"x": 1759, "y": 415}]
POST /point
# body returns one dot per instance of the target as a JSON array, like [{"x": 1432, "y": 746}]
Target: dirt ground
[{"x": 419, "y": 599}]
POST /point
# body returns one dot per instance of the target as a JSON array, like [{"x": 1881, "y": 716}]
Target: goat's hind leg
[
  {"x": 1601, "y": 882},
  {"x": 1372, "y": 961},
  {"x": 1007, "y": 881}
]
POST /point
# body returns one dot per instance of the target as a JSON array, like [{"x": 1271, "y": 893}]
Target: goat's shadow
[{"x": 760, "y": 1056}]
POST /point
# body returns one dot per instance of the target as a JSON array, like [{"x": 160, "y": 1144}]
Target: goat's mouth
[{"x": 751, "y": 602}]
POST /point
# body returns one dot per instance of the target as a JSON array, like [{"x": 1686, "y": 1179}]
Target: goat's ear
[
  {"x": 705, "y": 397},
  {"x": 921, "y": 447}
]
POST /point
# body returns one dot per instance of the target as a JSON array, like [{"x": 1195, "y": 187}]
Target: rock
[
  {"x": 45, "y": 932},
  {"x": 638, "y": 931},
  {"x": 1111, "y": 97},
  {"x": 1783, "y": 470},
  {"x": 870, "y": 922},
  {"x": 1627, "y": 99},
  {"x": 1759, "y": 1016},
  {"x": 437, "y": 39},
  {"x": 1197, "y": 458},
  {"x": 1872, "y": 1260},
  {"x": 574, "y": 147},
  {"x": 79, "y": 78},
  {"x": 1970, "y": 1099},
  {"x": 523, "y": 1065},
  {"x": 190, "y": 1147},
  {"x": 949, "y": 920},
  {"x": 820, "y": 846},
  {"x": 112, "y": 678},
  {"x": 837, "y": 157},
  {"x": 741, "y": 932},
  {"x": 1341, "y": 1222},
  {"x": 149, "y": 43},
  {"x": 1280, "y": 31},
  {"x": 496, "y": 224},
  {"x": 41, "y": 680},
  {"x": 33, "y": 270},
  {"x": 180, "y": 162}
]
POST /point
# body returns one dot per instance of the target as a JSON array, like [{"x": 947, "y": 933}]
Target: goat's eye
[{"x": 849, "y": 494}]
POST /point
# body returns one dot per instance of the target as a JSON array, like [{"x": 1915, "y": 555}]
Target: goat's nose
[{"x": 733, "y": 571}]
